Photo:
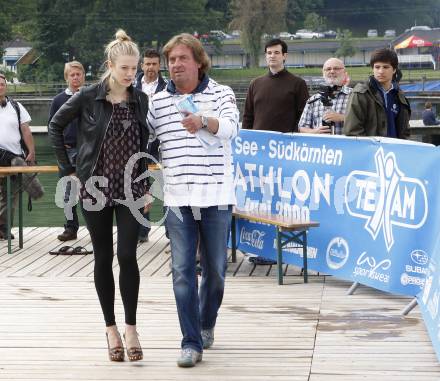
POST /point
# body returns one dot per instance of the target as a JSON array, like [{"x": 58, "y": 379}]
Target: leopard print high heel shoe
[
  {"x": 115, "y": 353},
  {"x": 134, "y": 353}
]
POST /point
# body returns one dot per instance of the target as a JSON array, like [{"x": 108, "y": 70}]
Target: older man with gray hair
[{"x": 324, "y": 112}]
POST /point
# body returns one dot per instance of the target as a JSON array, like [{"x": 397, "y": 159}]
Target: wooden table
[
  {"x": 18, "y": 171},
  {"x": 287, "y": 229}
]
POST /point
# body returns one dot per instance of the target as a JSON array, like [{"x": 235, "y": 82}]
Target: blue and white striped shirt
[{"x": 197, "y": 171}]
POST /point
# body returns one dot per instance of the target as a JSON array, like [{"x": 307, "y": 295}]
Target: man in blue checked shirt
[{"x": 318, "y": 117}]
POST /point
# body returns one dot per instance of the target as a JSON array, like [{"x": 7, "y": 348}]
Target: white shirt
[
  {"x": 149, "y": 88},
  {"x": 196, "y": 174},
  {"x": 9, "y": 128}
]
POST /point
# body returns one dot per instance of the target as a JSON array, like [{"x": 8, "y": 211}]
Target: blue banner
[
  {"x": 377, "y": 202},
  {"x": 429, "y": 299}
]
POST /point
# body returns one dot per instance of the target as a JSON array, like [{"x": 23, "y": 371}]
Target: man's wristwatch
[{"x": 204, "y": 121}]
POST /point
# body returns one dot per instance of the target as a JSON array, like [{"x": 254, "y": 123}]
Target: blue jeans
[{"x": 198, "y": 310}]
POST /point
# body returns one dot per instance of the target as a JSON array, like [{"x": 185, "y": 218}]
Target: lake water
[{"x": 45, "y": 212}]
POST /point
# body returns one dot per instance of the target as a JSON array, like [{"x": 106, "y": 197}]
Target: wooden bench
[
  {"x": 18, "y": 171},
  {"x": 287, "y": 230}
]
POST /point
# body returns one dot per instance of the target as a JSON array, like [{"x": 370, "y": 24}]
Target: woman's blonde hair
[
  {"x": 121, "y": 46},
  {"x": 196, "y": 47}
]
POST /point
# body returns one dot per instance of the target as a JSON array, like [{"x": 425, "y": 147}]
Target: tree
[
  {"x": 13, "y": 16},
  {"x": 57, "y": 22},
  {"x": 297, "y": 11},
  {"x": 224, "y": 9},
  {"x": 80, "y": 29},
  {"x": 346, "y": 48},
  {"x": 5, "y": 26},
  {"x": 315, "y": 22},
  {"x": 254, "y": 18}
]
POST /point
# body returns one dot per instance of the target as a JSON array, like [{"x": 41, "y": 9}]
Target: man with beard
[{"x": 327, "y": 108}]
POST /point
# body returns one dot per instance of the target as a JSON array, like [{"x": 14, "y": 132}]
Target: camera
[{"x": 326, "y": 96}]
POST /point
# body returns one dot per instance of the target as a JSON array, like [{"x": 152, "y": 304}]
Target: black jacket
[
  {"x": 70, "y": 130},
  {"x": 161, "y": 83},
  {"x": 94, "y": 113}
]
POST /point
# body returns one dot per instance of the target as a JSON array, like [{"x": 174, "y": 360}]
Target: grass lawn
[
  {"x": 235, "y": 76},
  {"x": 357, "y": 73}
]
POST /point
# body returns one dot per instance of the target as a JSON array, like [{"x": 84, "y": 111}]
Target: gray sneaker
[
  {"x": 189, "y": 357},
  {"x": 207, "y": 338}
]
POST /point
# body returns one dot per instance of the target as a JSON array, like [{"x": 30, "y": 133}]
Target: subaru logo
[{"x": 419, "y": 257}]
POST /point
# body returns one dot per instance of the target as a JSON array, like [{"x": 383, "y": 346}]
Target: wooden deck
[{"x": 51, "y": 325}]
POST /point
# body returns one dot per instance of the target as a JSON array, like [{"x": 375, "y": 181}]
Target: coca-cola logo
[{"x": 253, "y": 238}]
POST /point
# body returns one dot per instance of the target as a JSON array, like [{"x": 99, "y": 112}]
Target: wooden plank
[
  {"x": 28, "y": 232},
  {"x": 41, "y": 257},
  {"x": 242, "y": 350},
  {"x": 60, "y": 262},
  {"x": 287, "y": 223},
  {"x": 23, "y": 258},
  {"x": 29, "y": 169},
  {"x": 264, "y": 331}
]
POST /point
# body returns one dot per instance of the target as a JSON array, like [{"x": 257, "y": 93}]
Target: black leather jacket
[{"x": 94, "y": 113}]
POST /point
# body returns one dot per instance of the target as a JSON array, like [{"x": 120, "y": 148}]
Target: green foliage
[
  {"x": 254, "y": 18},
  {"x": 297, "y": 11},
  {"x": 62, "y": 30},
  {"x": 42, "y": 72},
  {"x": 346, "y": 48},
  {"x": 57, "y": 22},
  {"x": 315, "y": 22},
  {"x": 5, "y": 25},
  {"x": 224, "y": 9},
  {"x": 16, "y": 20},
  {"x": 8, "y": 74},
  {"x": 80, "y": 30}
]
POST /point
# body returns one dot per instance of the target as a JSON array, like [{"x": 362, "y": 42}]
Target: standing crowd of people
[
  {"x": 279, "y": 101},
  {"x": 187, "y": 123}
]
